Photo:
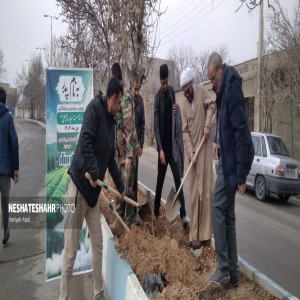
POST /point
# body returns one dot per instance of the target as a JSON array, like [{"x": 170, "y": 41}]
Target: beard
[{"x": 190, "y": 97}]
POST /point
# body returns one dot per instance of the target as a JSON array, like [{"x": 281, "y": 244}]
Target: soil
[{"x": 164, "y": 251}]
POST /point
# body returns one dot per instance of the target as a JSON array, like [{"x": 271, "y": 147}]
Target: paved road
[
  {"x": 22, "y": 262},
  {"x": 268, "y": 233}
]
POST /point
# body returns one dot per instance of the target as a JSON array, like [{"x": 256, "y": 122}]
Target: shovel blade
[{"x": 172, "y": 205}]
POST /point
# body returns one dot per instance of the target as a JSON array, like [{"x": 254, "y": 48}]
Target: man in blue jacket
[
  {"x": 234, "y": 148},
  {"x": 9, "y": 160},
  {"x": 94, "y": 154}
]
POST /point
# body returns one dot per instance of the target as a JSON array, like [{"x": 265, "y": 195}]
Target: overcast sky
[{"x": 202, "y": 24}]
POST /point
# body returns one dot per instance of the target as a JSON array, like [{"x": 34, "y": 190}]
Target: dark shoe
[
  {"x": 195, "y": 245},
  {"x": 234, "y": 284},
  {"x": 136, "y": 220},
  {"x": 185, "y": 223},
  {"x": 234, "y": 281},
  {"x": 5, "y": 240},
  {"x": 220, "y": 277},
  {"x": 100, "y": 296},
  {"x": 198, "y": 244}
]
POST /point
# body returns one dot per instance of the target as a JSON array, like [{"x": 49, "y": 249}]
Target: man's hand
[
  {"x": 162, "y": 157},
  {"x": 128, "y": 165},
  {"x": 242, "y": 188},
  {"x": 140, "y": 151},
  {"x": 206, "y": 132},
  {"x": 93, "y": 183},
  {"x": 192, "y": 158},
  {"x": 174, "y": 109},
  {"x": 215, "y": 150},
  {"x": 16, "y": 176}
]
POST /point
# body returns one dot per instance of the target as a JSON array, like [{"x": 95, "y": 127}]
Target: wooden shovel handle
[
  {"x": 115, "y": 192},
  {"x": 115, "y": 212},
  {"x": 190, "y": 166}
]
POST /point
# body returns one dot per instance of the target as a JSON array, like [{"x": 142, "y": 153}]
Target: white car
[{"x": 273, "y": 170}]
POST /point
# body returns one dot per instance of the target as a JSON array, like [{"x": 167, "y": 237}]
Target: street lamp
[
  {"x": 39, "y": 48},
  {"x": 51, "y": 17}
]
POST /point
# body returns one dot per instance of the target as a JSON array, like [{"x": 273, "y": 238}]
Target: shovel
[
  {"x": 173, "y": 203},
  {"x": 143, "y": 209},
  {"x": 115, "y": 212}
]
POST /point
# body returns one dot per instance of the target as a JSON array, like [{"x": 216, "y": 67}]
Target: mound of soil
[{"x": 163, "y": 251}]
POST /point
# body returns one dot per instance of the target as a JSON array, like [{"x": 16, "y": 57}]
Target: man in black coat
[
  {"x": 9, "y": 160},
  {"x": 234, "y": 148},
  {"x": 169, "y": 140},
  {"x": 94, "y": 154}
]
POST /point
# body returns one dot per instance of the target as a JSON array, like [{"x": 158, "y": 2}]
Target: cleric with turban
[{"x": 197, "y": 114}]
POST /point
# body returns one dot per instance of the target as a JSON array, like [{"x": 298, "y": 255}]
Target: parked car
[{"x": 273, "y": 170}]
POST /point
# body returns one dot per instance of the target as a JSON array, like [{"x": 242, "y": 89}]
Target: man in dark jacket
[
  {"x": 9, "y": 160},
  {"x": 168, "y": 133},
  {"x": 234, "y": 148},
  {"x": 94, "y": 154}
]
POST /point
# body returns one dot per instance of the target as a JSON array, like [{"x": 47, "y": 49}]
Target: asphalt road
[
  {"x": 268, "y": 234},
  {"x": 22, "y": 262}
]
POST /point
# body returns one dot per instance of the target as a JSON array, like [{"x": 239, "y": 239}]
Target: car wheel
[
  {"x": 260, "y": 188},
  {"x": 284, "y": 198}
]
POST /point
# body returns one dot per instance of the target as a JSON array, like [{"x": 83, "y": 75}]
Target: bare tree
[
  {"x": 61, "y": 57},
  {"x": 31, "y": 86},
  {"x": 281, "y": 72},
  {"x": 186, "y": 56},
  {"x": 150, "y": 89},
  {"x": 252, "y": 4},
  {"x": 103, "y": 32},
  {"x": 2, "y": 69}
]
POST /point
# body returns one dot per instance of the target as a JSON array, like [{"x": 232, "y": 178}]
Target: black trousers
[{"x": 161, "y": 169}]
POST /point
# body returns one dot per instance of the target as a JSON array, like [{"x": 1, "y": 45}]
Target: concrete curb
[
  {"x": 35, "y": 121},
  {"x": 250, "y": 271},
  {"x": 43, "y": 125},
  {"x": 119, "y": 279},
  {"x": 264, "y": 281}
]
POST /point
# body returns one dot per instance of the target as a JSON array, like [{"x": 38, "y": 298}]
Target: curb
[
  {"x": 34, "y": 121},
  {"x": 248, "y": 270},
  {"x": 264, "y": 281},
  {"x": 119, "y": 279}
]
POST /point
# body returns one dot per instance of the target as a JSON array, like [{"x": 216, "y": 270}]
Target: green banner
[{"x": 68, "y": 93}]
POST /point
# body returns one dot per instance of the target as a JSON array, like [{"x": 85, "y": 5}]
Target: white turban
[{"x": 186, "y": 76}]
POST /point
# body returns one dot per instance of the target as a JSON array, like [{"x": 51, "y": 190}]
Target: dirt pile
[{"x": 164, "y": 252}]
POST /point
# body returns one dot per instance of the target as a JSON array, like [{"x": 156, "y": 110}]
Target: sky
[{"x": 201, "y": 24}]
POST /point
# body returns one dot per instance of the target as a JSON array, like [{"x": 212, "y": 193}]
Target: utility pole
[
  {"x": 259, "y": 69},
  {"x": 51, "y": 17}
]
